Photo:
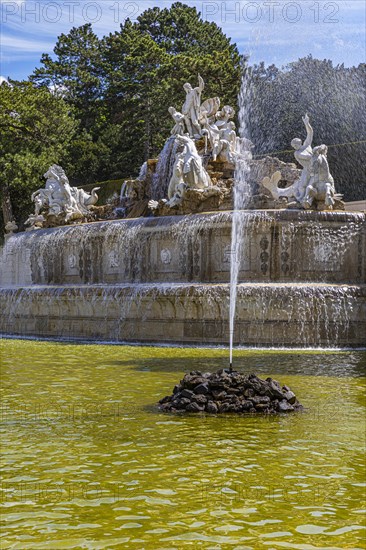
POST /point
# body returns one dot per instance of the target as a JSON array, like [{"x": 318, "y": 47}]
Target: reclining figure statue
[{"x": 188, "y": 173}]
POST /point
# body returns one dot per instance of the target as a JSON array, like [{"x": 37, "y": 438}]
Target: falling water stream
[
  {"x": 164, "y": 169},
  {"x": 241, "y": 197}
]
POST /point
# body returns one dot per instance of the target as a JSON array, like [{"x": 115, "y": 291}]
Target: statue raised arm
[
  {"x": 309, "y": 131},
  {"x": 303, "y": 155}
]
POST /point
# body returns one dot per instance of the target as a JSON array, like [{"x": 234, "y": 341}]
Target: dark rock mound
[{"x": 229, "y": 392}]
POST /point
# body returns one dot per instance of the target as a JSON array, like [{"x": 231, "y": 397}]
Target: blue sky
[{"x": 275, "y": 31}]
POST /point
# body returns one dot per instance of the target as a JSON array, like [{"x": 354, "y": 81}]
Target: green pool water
[{"x": 90, "y": 462}]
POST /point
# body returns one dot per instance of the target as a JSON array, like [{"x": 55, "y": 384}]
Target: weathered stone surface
[
  {"x": 199, "y": 399},
  {"x": 260, "y": 400},
  {"x": 290, "y": 397},
  {"x": 211, "y": 407},
  {"x": 183, "y": 403},
  {"x": 194, "y": 407},
  {"x": 80, "y": 281},
  {"x": 241, "y": 394},
  {"x": 284, "y": 406},
  {"x": 165, "y": 399},
  {"x": 201, "y": 388},
  {"x": 187, "y": 393},
  {"x": 275, "y": 390},
  {"x": 290, "y": 239}
]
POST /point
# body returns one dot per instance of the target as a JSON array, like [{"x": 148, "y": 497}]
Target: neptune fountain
[{"x": 207, "y": 246}]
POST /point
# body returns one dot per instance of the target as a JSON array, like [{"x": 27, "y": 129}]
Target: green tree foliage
[
  {"x": 76, "y": 73},
  {"x": 36, "y": 128},
  {"x": 180, "y": 29},
  {"x": 334, "y": 97},
  {"x": 166, "y": 47},
  {"x": 122, "y": 85}
]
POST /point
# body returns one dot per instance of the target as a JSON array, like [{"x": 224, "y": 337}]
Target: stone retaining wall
[
  {"x": 267, "y": 315},
  {"x": 278, "y": 246},
  {"x": 302, "y": 275}
]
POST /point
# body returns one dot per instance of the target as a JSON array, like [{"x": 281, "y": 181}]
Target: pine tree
[{"x": 122, "y": 85}]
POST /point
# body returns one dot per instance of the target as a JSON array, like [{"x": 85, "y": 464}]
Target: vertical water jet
[{"x": 241, "y": 199}]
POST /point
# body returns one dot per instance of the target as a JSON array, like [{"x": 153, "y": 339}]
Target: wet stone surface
[{"x": 229, "y": 392}]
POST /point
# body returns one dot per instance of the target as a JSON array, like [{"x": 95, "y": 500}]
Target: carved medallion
[
  {"x": 72, "y": 261},
  {"x": 113, "y": 259},
  {"x": 165, "y": 256},
  {"x": 227, "y": 254}
]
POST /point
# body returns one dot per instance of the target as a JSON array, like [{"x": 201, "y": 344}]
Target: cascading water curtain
[{"x": 242, "y": 193}]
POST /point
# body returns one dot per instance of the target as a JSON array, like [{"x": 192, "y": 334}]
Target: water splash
[
  {"x": 164, "y": 169},
  {"x": 299, "y": 279},
  {"x": 302, "y": 315},
  {"x": 242, "y": 192}
]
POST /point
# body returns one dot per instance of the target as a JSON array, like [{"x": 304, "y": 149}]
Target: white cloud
[
  {"x": 25, "y": 45},
  {"x": 277, "y": 41}
]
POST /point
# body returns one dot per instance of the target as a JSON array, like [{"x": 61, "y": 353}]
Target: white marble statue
[
  {"x": 211, "y": 134},
  {"x": 321, "y": 183},
  {"x": 315, "y": 181},
  {"x": 224, "y": 116},
  {"x": 194, "y": 173},
  {"x": 11, "y": 227},
  {"x": 221, "y": 134},
  {"x": 272, "y": 184},
  {"x": 188, "y": 173},
  {"x": 179, "y": 127},
  {"x": 303, "y": 155},
  {"x": 207, "y": 121},
  {"x": 85, "y": 199},
  {"x": 227, "y": 146},
  {"x": 191, "y": 107},
  {"x": 197, "y": 120},
  {"x": 59, "y": 199},
  {"x": 177, "y": 178},
  {"x": 209, "y": 109},
  {"x": 57, "y": 196}
]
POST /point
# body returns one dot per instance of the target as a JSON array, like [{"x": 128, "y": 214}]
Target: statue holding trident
[{"x": 191, "y": 107}]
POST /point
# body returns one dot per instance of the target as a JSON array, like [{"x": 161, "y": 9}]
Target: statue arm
[
  {"x": 182, "y": 139},
  {"x": 201, "y": 83},
  {"x": 309, "y": 130},
  {"x": 36, "y": 194}
]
